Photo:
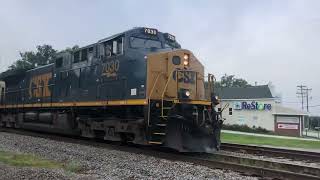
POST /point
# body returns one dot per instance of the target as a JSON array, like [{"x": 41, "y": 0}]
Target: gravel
[{"x": 100, "y": 163}]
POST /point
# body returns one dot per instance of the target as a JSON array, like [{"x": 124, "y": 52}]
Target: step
[
  {"x": 159, "y": 133},
  {"x": 155, "y": 142}
]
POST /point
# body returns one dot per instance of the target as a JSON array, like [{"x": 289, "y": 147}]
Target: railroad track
[
  {"x": 273, "y": 152},
  {"x": 247, "y": 166}
]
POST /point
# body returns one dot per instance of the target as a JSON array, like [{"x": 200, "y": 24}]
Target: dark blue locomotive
[{"x": 137, "y": 86}]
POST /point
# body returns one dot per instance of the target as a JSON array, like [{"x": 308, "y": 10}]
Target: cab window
[{"x": 137, "y": 42}]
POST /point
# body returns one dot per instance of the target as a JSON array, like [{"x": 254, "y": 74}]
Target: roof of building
[{"x": 252, "y": 92}]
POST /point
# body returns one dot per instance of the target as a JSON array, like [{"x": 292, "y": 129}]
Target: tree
[
  {"x": 44, "y": 55},
  {"x": 71, "y": 50},
  {"x": 231, "y": 81}
]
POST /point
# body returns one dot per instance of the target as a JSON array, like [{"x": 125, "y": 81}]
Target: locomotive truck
[{"x": 137, "y": 86}]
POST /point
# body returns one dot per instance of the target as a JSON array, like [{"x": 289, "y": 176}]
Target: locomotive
[{"x": 138, "y": 86}]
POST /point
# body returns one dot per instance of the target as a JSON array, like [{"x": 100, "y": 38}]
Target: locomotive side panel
[{"x": 38, "y": 86}]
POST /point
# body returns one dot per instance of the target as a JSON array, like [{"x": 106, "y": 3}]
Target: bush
[{"x": 246, "y": 128}]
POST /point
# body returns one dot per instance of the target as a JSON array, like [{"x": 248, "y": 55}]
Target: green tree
[
  {"x": 231, "y": 81},
  {"x": 71, "y": 50},
  {"x": 43, "y": 55}
]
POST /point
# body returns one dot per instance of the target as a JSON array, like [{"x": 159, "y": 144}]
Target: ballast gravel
[{"x": 99, "y": 162}]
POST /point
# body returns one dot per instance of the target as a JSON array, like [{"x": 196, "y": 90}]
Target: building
[{"x": 257, "y": 106}]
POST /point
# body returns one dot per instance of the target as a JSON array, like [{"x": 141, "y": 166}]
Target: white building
[{"x": 257, "y": 107}]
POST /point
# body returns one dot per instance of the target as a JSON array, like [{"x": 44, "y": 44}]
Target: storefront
[{"x": 257, "y": 107}]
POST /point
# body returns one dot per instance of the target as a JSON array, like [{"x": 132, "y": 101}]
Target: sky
[{"x": 261, "y": 41}]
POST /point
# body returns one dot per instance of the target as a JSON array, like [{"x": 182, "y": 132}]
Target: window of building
[
  {"x": 230, "y": 111},
  {"x": 219, "y": 109}
]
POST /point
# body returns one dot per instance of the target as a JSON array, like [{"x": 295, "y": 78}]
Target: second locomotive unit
[{"x": 138, "y": 86}]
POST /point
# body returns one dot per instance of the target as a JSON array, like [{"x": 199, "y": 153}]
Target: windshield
[{"x": 144, "y": 43}]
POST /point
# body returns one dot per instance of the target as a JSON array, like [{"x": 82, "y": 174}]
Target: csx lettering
[
  {"x": 39, "y": 86},
  {"x": 185, "y": 76}
]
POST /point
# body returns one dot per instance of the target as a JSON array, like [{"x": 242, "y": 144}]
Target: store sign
[
  {"x": 288, "y": 126},
  {"x": 252, "y": 106}
]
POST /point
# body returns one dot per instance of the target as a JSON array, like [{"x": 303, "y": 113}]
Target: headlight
[
  {"x": 186, "y": 59},
  {"x": 187, "y": 93},
  {"x": 186, "y": 62}
]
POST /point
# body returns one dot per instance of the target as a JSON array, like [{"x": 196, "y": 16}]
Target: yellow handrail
[
  {"x": 165, "y": 88},
  {"x": 151, "y": 92}
]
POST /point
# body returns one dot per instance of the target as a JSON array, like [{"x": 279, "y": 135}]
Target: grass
[
  {"x": 277, "y": 142},
  {"x": 28, "y": 160}
]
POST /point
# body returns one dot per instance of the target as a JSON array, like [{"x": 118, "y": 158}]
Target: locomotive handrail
[
  {"x": 154, "y": 85},
  {"x": 165, "y": 87},
  {"x": 167, "y": 83},
  {"x": 151, "y": 92}
]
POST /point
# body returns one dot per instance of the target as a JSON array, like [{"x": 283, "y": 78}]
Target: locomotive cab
[{"x": 178, "y": 101}]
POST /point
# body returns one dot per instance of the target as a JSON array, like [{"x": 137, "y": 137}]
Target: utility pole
[
  {"x": 307, "y": 96},
  {"x": 301, "y": 93}
]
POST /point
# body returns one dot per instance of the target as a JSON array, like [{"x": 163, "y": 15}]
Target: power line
[{"x": 301, "y": 93}]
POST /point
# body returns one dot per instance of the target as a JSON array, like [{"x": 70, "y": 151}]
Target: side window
[
  {"x": 112, "y": 47},
  {"x": 59, "y": 62},
  {"x": 84, "y": 54},
  {"x": 90, "y": 53},
  {"x": 108, "y": 49},
  {"x": 120, "y": 45},
  {"x": 76, "y": 56}
]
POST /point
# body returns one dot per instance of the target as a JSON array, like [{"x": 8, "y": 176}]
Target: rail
[{"x": 274, "y": 152}]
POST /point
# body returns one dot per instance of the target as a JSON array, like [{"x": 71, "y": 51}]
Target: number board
[
  {"x": 150, "y": 31},
  {"x": 170, "y": 37}
]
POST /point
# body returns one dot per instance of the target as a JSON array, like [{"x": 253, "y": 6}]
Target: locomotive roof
[{"x": 133, "y": 30}]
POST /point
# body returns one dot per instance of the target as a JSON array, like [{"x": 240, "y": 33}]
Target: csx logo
[
  {"x": 185, "y": 76},
  {"x": 39, "y": 86},
  {"x": 111, "y": 68}
]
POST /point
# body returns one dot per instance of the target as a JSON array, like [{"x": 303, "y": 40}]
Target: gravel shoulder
[{"x": 99, "y": 163}]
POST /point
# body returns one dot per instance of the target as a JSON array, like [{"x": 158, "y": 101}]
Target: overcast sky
[{"x": 258, "y": 40}]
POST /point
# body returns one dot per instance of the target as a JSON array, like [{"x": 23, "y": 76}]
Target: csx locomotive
[{"x": 138, "y": 86}]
